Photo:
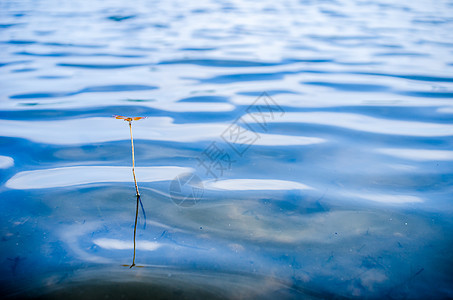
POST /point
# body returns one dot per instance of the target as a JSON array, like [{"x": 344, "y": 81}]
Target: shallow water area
[{"x": 291, "y": 150}]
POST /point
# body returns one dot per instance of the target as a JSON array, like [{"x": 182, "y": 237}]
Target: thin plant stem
[
  {"x": 133, "y": 159},
  {"x": 136, "y": 189}
]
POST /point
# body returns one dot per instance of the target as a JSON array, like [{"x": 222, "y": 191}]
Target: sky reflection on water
[{"x": 343, "y": 189}]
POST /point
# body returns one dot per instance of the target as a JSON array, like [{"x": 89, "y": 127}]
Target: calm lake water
[{"x": 292, "y": 149}]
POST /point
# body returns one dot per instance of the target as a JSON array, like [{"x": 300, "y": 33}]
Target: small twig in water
[{"x": 130, "y": 119}]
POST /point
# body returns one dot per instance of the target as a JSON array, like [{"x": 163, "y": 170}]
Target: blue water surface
[{"x": 291, "y": 150}]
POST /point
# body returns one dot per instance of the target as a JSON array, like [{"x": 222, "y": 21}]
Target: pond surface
[{"x": 292, "y": 149}]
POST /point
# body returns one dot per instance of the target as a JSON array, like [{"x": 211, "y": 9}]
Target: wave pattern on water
[{"x": 339, "y": 185}]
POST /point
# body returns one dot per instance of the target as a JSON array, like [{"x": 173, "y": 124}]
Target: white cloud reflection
[
  {"x": 388, "y": 198},
  {"x": 285, "y": 140},
  {"x": 255, "y": 185},
  {"x": 69, "y": 176},
  {"x": 195, "y": 107},
  {"x": 6, "y": 162},
  {"x": 72, "y": 235},
  {"x": 445, "y": 110},
  {"x": 115, "y": 244},
  {"x": 418, "y": 154}
]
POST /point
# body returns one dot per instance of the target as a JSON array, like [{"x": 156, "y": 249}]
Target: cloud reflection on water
[
  {"x": 418, "y": 154},
  {"x": 255, "y": 185},
  {"x": 116, "y": 244},
  {"x": 70, "y": 176},
  {"x": 6, "y": 162}
]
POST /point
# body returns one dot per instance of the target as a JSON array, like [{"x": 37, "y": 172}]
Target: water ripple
[
  {"x": 360, "y": 122},
  {"x": 93, "y": 89},
  {"x": 17, "y": 62},
  {"x": 241, "y": 63},
  {"x": 428, "y": 94},
  {"x": 408, "y": 76},
  {"x": 219, "y": 63},
  {"x": 69, "y": 54},
  {"x": 205, "y": 99},
  {"x": 153, "y": 128},
  {"x": 355, "y": 87},
  {"x": 232, "y": 78},
  {"x": 100, "y": 65}
]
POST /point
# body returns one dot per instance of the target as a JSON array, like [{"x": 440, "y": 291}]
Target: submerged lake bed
[{"x": 290, "y": 150}]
